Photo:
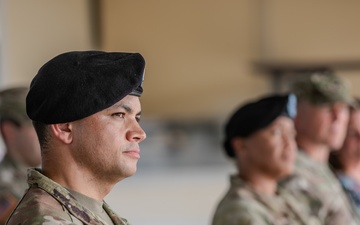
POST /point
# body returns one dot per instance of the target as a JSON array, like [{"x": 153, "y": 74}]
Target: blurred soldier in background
[
  {"x": 260, "y": 137},
  {"x": 346, "y": 161},
  {"x": 321, "y": 122},
  {"x": 22, "y": 148}
]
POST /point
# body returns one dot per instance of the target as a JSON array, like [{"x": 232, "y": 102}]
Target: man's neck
[
  {"x": 260, "y": 183},
  {"x": 352, "y": 169},
  {"x": 316, "y": 151},
  {"x": 76, "y": 178}
]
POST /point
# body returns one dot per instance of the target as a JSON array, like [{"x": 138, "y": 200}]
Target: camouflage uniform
[
  {"x": 46, "y": 202},
  {"x": 12, "y": 173},
  {"x": 352, "y": 189},
  {"x": 12, "y": 185},
  {"x": 242, "y": 205},
  {"x": 317, "y": 182}
]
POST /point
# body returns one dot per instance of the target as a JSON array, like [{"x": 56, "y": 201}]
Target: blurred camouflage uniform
[
  {"x": 12, "y": 185},
  {"x": 312, "y": 178},
  {"x": 47, "y": 202},
  {"x": 242, "y": 205},
  {"x": 12, "y": 173},
  {"x": 318, "y": 182},
  {"x": 352, "y": 189}
]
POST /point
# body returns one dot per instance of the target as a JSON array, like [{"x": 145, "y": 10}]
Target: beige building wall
[
  {"x": 310, "y": 30},
  {"x": 199, "y": 54},
  {"x": 37, "y": 30},
  {"x": 313, "y": 31}
]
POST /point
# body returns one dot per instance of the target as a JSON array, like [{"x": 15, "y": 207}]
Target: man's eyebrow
[{"x": 127, "y": 108}]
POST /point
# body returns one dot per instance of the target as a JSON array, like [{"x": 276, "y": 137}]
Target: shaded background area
[
  {"x": 171, "y": 195},
  {"x": 204, "y": 58}
]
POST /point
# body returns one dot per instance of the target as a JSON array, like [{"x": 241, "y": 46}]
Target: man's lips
[{"x": 135, "y": 153}]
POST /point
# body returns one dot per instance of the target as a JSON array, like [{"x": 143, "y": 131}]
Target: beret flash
[
  {"x": 256, "y": 115},
  {"x": 77, "y": 84}
]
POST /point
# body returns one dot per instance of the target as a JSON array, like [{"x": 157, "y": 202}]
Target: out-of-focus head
[
  {"x": 261, "y": 134},
  {"x": 16, "y": 128},
  {"x": 12, "y": 105},
  {"x": 256, "y": 115},
  {"x": 349, "y": 153},
  {"x": 324, "y": 99}
]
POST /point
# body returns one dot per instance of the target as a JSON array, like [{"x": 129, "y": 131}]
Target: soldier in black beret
[
  {"x": 85, "y": 108},
  {"x": 257, "y": 115},
  {"x": 260, "y": 138}
]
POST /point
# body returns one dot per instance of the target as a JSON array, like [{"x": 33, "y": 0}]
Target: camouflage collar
[{"x": 68, "y": 201}]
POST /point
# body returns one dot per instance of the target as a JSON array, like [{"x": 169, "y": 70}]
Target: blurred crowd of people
[{"x": 297, "y": 155}]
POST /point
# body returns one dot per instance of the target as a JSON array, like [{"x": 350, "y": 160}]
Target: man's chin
[
  {"x": 286, "y": 172},
  {"x": 335, "y": 146},
  {"x": 131, "y": 172}
]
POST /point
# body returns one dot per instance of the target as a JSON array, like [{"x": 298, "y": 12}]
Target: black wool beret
[
  {"x": 256, "y": 115},
  {"x": 77, "y": 84}
]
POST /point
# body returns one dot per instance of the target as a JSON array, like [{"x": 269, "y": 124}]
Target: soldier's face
[
  {"x": 351, "y": 148},
  {"x": 324, "y": 124},
  {"x": 28, "y": 144},
  {"x": 107, "y": 143},
  {"x": 272, "y": 150}
]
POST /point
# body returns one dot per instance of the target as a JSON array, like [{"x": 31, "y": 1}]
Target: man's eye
[
  {"x": 276, "y": 132},
  {"x": 119, "y": 114}
]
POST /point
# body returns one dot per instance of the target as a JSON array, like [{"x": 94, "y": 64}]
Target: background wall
[
  {"x": 310, "y": 30},
  {"x": 198, "y": 53},
  {"x": 201, "y": 57},
  {"x": 35, "y": 31}
]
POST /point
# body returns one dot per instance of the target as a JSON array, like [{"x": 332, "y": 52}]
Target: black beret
[
  {"x": 256, "y": 115},
  {"x": 77, "y": 84}
]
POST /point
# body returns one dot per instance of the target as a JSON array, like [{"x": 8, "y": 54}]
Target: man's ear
[
  {"x": 63, "y": 132},
  {"x": 238, "y": 145},
  {"x": 8, "y": 130}
]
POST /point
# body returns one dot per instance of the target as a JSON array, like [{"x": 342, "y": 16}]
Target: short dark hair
[{"x": 42, "y": 133}]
